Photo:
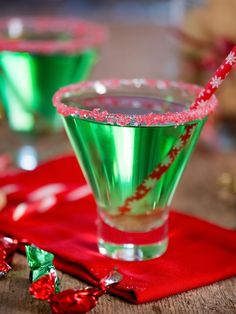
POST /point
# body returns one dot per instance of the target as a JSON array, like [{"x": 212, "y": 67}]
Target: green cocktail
[
  {"x": 37, "y": 56},
  {"x": 133, "y": 140}
]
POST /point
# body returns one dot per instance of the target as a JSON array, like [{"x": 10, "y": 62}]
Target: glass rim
[
  {"x": 85, "y": 34},
  {"x": 148, "y": 119}
]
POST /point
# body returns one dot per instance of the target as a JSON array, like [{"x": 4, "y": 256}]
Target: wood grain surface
[{"x": 140, "y": 51}]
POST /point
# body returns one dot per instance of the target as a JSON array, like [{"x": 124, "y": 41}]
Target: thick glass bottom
[
  {"x": 132, "y": 246},
  {"x": 132, "y": 252}
]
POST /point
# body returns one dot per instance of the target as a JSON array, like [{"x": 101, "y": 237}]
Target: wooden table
[{"x": 199, "y": 194}]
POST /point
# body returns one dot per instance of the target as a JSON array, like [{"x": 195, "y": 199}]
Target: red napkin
[{"x": 53, "y": 207}]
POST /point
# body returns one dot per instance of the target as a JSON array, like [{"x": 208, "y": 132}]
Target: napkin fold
[{"x": 53, "y": 208}]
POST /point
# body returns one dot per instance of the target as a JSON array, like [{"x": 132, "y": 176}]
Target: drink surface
[
  {"x": 116, "y": 159},
  {"x": 38, "y": 35}
]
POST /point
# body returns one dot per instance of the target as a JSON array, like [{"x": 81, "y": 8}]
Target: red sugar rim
[
  {"x": 84, "y": 34},
  {"x": 150, "y": 119}
]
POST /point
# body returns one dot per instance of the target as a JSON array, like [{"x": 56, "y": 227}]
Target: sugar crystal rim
[
  {"x": 149, "y": 119},
  {"x": 85, "y": 35}
]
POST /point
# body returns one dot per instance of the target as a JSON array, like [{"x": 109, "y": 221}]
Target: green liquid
[
  {"x": 33, "y": 35},
  {"x": 117, "y": 159},
  {"x": 28, "y": 82}
]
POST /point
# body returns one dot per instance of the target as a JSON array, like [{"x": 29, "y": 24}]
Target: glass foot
[
  {"x": 132, "y": 246},
  {"x": 133, "y": 252}
]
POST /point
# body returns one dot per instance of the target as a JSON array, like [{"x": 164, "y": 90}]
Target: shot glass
[
  {"x": 133, "y": 139},
  {"x": 38, "y": 55}
]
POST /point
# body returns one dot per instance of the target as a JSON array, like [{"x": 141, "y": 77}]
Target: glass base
[
  {"x": 132, "y": 246},
  {"x": 132, "y": 252}
]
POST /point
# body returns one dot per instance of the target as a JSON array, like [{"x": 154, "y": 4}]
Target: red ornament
[
  {"x": 223, "y": 46},
  {"x": 209, "y": 61}
]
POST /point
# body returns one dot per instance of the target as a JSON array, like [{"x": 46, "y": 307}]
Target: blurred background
[
  {"x": 169, "y": 39},
  {"x": 134, "y": 30},
  {"x": 148, "y": 11}
]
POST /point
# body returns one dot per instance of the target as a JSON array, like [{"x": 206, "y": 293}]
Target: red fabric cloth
[{"x": 199, "y": 253}]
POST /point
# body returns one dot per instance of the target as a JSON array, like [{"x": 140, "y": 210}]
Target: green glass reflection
[
  {"x": 117, "y": 159},
  {"x": 28, "y": 82}
]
